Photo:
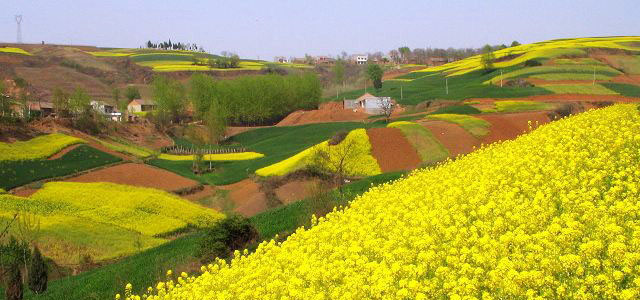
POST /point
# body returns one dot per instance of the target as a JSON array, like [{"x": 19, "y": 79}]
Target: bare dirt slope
[
  {"x": 392, "y": 150},
  {"x": 453, "y": 137},
  {"x": 247, "y": 197},
  {"x": 328, "y": 112},
  {"x": 509, "y": 126}
]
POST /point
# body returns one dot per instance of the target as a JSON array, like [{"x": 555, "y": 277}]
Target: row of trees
[
  {"x": 422, "y": 55},
  {"x": 168, "y": 45},
  {"x": 247, "y": 100}
]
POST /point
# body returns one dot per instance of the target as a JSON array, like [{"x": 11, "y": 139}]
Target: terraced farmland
[{"x": 511, "y": 220}]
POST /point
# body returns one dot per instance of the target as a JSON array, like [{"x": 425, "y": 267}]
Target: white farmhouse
[
  {"x": 369, "y": 104},
  {"x": 360, "y": 59}
]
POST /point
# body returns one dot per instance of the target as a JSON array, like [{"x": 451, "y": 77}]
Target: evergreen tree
[
  {"x": 375, "y": 72},
  {"x": 38, "y": 273}
]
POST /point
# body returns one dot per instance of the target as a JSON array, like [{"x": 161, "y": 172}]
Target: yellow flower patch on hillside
[{"x": 551, "y": 214}]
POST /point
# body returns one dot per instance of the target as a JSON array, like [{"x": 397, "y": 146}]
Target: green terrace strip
[
  {"x": 508, "y": 106},
  {"x": 276, "y": 143},
  {"x": 623, "y": 89},
  {"x": 147, "y": 267},
  {"x": 477, "y": 127},
  {"x": 428, "y": 147},
  {"x": 457, "y": 109},
  {"x": 571, "y": 76},
  {"x": 588, "y": 89},
  {"x": 577, "y": 61},
  {"x": 18, "y": 173},
  {"x": 37, "y": 148},
  {"x": 527, "y": 72},
  {"x": 469, "y": 85},
  {"x": 137, "y": 151}
]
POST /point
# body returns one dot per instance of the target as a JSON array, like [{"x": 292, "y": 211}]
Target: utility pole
[
  {"x": 19, "y": 33},
  {"x": 594, "y": 75},
  {"x": 446, "y": 84},
  {"x": 401, "y": 93},
  {"x": 500, "y": 77}
]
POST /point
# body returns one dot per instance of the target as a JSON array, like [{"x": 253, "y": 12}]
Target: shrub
[
  {"x": 337, "y": 138},
  {"x": 230, "y": 234},
  {"x": 14, "y": 283},
  {"x": 38, "y": 273},
  {"x": 532, "y": 63}
]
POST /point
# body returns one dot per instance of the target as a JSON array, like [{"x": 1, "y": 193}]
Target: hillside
[
  {"x": 556, "y": 67},
  {"x": 541, "y": 216},
  {"x": 98, "y": 70}
]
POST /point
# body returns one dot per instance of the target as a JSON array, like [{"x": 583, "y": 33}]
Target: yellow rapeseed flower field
[
  {"x": 37, "y": 148},
  {"x": 145, "y": 210},
  {"x": 359, "y": 161},
  {"x": 552, "y": 214},
  {"x": 215, "y": 157}
]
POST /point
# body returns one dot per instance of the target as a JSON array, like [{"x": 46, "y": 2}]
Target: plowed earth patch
[
  {"x": 392, "y": 150},
  {"x": 247, "y": 197},
  {"x": 453, "y": 137},
  {"x": 509, "y": 126},
  {"x": 137, "y": 175}
]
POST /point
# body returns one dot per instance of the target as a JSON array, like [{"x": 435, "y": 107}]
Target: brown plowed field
[
  {"x": 328, "y": 112},
  {"x": 509, "y": 126},
  {"x": 392, "y": 150},
  {"x": 295, "y": 190},
  {"x": 630, "y": 79},
  {"x": 453, "y": 137},
  {"x": 63, "y": 152},
  {"x": 247, "y": 197},
  {"x": 137, "y": 175}
]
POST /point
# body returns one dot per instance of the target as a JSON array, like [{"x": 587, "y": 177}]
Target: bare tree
[
  {"x": 334, "y": 158},
  {"x": 387, "y": 106}
]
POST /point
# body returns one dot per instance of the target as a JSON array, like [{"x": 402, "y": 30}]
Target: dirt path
[
  {"x": 137, "y": 175},
  {"x": 64, "y": 151},
  {"x": 24, "y": 192},
  {"x": 509, "y": 126},
  {"x": 392, "y": 150},
  {"x": 249, "y": 200},
  {"x": 453, "y": 137}
]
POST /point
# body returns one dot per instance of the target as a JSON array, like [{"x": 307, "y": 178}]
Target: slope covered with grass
[
  {"x": 551, "y": 214},
  {"x": 554, "y": 60}
]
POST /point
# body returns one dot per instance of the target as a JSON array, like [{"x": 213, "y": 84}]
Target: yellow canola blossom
[
  {"x": 215, "y": 157},
  {"x": 355, "y": 148},
  {"x": 552, "y": 214},
  {"x": 37, "y": 148},
  {"x": 14, "y": 50},
  {"x": 148, "y": 211}
]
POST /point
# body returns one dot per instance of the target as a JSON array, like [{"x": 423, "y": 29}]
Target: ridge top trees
[{"x": 487, "y": 58}]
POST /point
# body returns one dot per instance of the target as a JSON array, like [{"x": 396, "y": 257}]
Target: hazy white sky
[{"x": 265, "y": 29}]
